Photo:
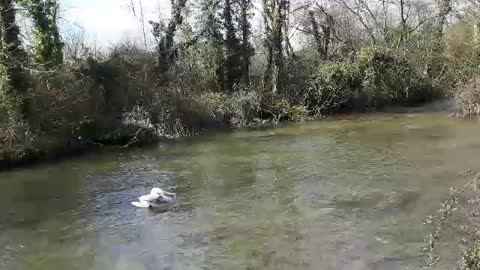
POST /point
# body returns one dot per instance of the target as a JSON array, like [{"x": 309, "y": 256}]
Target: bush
[
  {"x": 215, "y": 105},
  {"x": 119, "y": 79},
  {"x": 467, "y": 98},
  {"x": 461, "y": 55},
  {"x": 298, "y": 113},
  {"x": 467, "y": 200},
  {"x": 389, "y": 79},
  {"x": 60, "y": 103},
  {"x": 244, "y": 107},
  {"x": 235, "y": 110},
  {"x": 332, "y": 87},
  {"x": 280, "y": 109},
  {"x": 17, "y": 141},
  {"x": 175, "y": 114},
  {"x": 377, "y": 78},
  {"x": 471, "y": 258}
]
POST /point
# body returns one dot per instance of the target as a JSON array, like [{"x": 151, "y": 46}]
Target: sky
[{"x": 105, "y": 22}]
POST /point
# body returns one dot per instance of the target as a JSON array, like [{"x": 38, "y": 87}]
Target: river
[{"x": 345, "y": 193}]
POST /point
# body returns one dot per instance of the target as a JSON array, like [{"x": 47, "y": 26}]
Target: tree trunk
[
  {"x": 316, "y": 33},
  {"x": 445, "y": 7},
  {"x": 386, "y": 32},
  {"x": 403, "y": 22},
  {"x": 246, "y": 48},
  {"x": 232, "y": 61},
  {"x": 11, "y": 54},
  {"x": 274, "y": 16}
]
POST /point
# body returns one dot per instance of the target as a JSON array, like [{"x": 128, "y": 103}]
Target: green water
[{"x": 341, "y": 194}]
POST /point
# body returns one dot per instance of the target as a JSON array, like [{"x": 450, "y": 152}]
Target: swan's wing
[
  {"x": 148, "y": 198},
  {"x": 141, "y": 204},
  {"x": 144, "y": 198}
]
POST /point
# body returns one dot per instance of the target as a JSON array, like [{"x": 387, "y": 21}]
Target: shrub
[
  {"x": 138, "y": 116},
  {"x": 297, "y": 77},
  {"x": 280, "y": 109},
  {"x": 377, "y": 78},
  {"x": 298, "y": 113},
  {"x": 17, "y": 140},
  {"x": 172, "y": 113},
  {"x": 118, "y": 80},
  {"x": 467, "y": 98},
  {"x": 215, "y": 105},
  {"x": 461, "y": 57},
  {"x": 389, "y": 79},
  {"x": 332, "y": 86},
  {"x": 471, "y": 258},
  {"x": 244, "y": 107},
  {"x": 467, "y": 200},
  {"x": 60, "y": 103},
  {"x": 235, "y": 110}
]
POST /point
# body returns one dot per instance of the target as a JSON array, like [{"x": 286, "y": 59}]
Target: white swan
[{"x": 157, "y": 198}]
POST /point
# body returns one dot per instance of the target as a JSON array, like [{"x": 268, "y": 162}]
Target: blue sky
[{"x": 108, "y": 21}]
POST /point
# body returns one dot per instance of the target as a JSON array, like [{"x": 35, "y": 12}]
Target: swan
[{"x": 157, "y": 198}]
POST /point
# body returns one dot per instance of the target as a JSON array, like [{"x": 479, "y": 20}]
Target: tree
[
  {"x": 246, "y": 48},
  {"x": 142, "y": 20},
  {"x": 445, "y": 7},
  {"x": 165, "y": 37},
  {"x": 12, "y": 80},
  {"x": 232, "y": 46},
  {"x": 435, "y": 62},
  {"x": 316, "y": 32},
  {"x": 48, "y": 44},
  {"x": 362, "y": 13},
  {"x": 322, "y": 39},
  {"x": 403, "y": 21},
  {"x": 211, "y": 31},
  {"x": 274, "y": 15}
]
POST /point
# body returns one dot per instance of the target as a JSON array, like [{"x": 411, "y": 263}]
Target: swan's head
[
  {"x": 157, "y": 191},
  {"x": 163, "y": 195}
]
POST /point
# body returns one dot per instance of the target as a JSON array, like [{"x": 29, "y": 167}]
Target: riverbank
[
  {"x": 105, "y": 101},
  {"x": 136, "y": 136},
  {"x": 50, "y": 149}
]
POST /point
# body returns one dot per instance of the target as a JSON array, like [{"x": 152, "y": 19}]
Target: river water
[{"x": 346, "y": 193}]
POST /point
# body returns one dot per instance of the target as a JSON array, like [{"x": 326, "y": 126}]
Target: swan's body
[{"x": 156, "y": 199}]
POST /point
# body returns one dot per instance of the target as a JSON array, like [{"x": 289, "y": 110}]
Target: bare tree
[
  {"x": 358, "y": 9},
  {"x": 141, "y": 17}
]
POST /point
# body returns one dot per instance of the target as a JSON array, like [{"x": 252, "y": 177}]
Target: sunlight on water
[{"x": 349, "y": 193}]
